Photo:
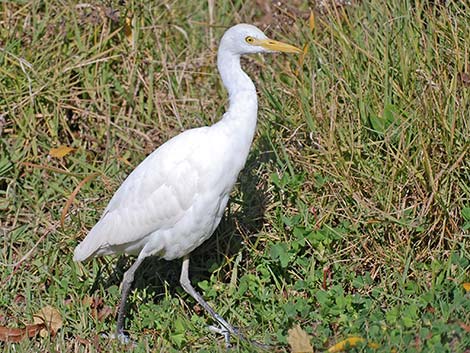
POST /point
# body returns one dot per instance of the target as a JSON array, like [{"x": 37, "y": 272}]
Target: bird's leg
[
  {"x": 126, "y": 287},
  {"x": 226, "y": 329}
]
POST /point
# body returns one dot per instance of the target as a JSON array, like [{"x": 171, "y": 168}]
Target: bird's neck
[
  {"x": 239, "y": 122},
  {"x": 236, "y": 81}
]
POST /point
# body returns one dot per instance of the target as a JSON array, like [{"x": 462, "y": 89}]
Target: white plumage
[{"x": 173, "y": 201}]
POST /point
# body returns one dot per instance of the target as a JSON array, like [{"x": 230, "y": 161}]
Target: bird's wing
[
  {"x": 155, "y": 195},
  {"x": 167, "y": 167}
]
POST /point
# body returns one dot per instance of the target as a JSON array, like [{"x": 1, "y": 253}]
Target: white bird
[{"x": 174, "y": 200}]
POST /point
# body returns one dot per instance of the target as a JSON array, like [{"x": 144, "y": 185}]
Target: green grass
[{"x": 352, "y": 216}]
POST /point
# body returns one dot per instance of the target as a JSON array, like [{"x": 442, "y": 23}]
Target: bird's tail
[
  {"x": 82, "y": 253},
  {"x": 90, "y": 245}
]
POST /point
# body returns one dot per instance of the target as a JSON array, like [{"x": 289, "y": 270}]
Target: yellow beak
[{"x": 274, "y": 45}]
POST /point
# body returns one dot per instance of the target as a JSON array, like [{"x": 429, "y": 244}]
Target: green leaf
[
  {"x": 289, "y": 309},
  {"x": 392, "y": 315},
  {"x": 279, "y": 252},
  {"x": 323, "y": 298}
]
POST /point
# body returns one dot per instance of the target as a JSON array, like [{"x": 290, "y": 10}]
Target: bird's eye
[{"x": 249, "y": 40}]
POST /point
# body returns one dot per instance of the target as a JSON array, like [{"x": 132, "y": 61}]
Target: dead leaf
[
  {"x": 104, "y": 312},
  {"x": 299, "y": 340},
  {"x": 14, "y": 335},
  {"x": 99, "y": 311},
  {"x": 50, "y": 318},
  {"x": 129, "y": 30},
  {"x": 466, "y": 286},
  {"x": 373, "y": 345},
  {"x": 61, "y": 151},
  {"x": 87, "y": 301},
  {"x": 350, "y": 343},
  {"x": 346, "y": 344},
  {"x": 311, "y": 21},
  {"x": 464, "y": 326}
]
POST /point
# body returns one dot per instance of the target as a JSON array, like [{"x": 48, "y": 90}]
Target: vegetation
[{"x": 351, "y": 217}]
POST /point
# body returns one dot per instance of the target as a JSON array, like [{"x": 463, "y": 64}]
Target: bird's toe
[{"x": 221, "y": 330}]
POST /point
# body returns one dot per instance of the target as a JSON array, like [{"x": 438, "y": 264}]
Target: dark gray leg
[{"x": 126, "y": 287}]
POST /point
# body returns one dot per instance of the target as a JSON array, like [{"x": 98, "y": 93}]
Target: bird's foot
[
  {"x": 221, "y": 330},
  {"x": 228, "y": 332},
  {"x": 121, "y": 336}
]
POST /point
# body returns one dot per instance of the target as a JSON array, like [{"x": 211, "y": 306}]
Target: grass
[{"x": 351, "y": 217}]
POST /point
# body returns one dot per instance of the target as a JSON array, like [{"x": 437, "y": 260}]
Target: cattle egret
[{"x": 173, "y": 201}]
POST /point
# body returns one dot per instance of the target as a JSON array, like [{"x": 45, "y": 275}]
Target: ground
[{"x": 351, "y": 217}]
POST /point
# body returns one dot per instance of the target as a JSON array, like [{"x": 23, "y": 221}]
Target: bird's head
[{"x": 247, "y": 39}]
